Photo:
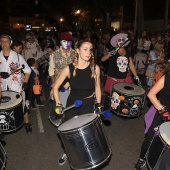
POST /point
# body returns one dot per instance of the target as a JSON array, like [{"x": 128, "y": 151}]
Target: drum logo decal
[
  {"x": 122, "y": 63},
  {"x": 92, "y": 145},
  {"x": 6, "y": 120},
  {"x": 115, "y": 100}
]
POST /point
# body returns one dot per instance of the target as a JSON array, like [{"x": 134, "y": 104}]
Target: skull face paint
[
  {"x": 66, "y": 44},
  {"x": 120, "y": 41},
  {"x": 122, "y": 63}
]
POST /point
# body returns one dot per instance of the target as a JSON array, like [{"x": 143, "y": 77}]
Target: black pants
[{"x": 150, "y": 134}]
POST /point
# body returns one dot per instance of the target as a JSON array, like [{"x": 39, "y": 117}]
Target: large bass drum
[
  {"x": 85, "y": 142},
  {"x": 127, "y": 99},
  {"x": 11, "y": 111}
]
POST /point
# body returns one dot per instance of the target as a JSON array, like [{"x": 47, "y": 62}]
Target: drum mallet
[
  {"x": 76, "y": 104},
  {"x": 19, "y": 94}
]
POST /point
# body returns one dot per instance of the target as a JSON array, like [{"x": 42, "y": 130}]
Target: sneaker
[
  {"x": 28, "y": 128},
  {"x": 33, "y": 106},
  {"x": 140, "y": 164},
  {"x": 40, "y": 103},
  {"x": 62, "y": 160}
]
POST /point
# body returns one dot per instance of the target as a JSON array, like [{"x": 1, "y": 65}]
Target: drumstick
[
  {"x": 19, "y": 68},
  {"x": 113, "y": 52}
]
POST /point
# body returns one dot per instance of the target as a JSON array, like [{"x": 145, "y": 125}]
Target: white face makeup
[
  {"x": 120, "y": 41},
  {"x": 66, "y": 44}
]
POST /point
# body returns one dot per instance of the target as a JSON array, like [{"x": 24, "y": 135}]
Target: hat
[
  {"x": 66, "y": 36},
  {"x": 114, "y": 39}
]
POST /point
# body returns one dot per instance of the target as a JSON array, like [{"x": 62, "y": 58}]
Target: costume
[
  {"x": 118, "y": 70},
  {"x": 82, "y": 87},
  {"x": 15, "y": 81}
]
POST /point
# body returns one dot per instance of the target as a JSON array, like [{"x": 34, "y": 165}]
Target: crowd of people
[{"x": 74, "y": 61}]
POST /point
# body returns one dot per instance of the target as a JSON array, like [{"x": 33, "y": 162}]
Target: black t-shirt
[{"x": 118, "y": 65}]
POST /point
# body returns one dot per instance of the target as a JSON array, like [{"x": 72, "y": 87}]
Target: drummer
[
  {"x": 163, "y": 108},
  {"x": 10, "y": 62},
  {"x": 119, "y": 65},
  {"x": 84, "y": 78}
]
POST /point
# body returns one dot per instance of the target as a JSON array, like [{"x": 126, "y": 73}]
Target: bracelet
[{"x": 162, "y": 109}]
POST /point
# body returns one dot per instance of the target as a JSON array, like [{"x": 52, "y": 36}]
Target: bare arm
[
  {"x": 65, "y": 73},
  {"x": 97, "y": 85},
  {"x": 154, "y": 90},
  {"x": 105, "y": 57}
]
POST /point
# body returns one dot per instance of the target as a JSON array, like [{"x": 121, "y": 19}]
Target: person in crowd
[
  {"x": 32, "y": 44},
  {"x": 34, "y": 78},
  {"x": 10, "y": 62},
  {"x": 119, "y": 63},
  {"x": 61, "y": 57},
  {"x": 167, "y": 45},
  {"x": 155, "y": 56},
  {"x": 158, "y": 72},
  {"x": 84, "y": 77},
  {"x": 153, "y": 42},
  {"x": 163, "y": 108},
  {"x": 140, "y": 42}
]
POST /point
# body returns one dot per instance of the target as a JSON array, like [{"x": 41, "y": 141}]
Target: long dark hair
[{"x": 167, "y": 68}]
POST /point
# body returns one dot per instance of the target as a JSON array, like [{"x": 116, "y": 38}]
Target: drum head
[
  {"x": 77, "y": 121},
  {"x": 164, "y": 132},
  {"x": 9, "y": 100},
  {"x": 130, "y": 89}
]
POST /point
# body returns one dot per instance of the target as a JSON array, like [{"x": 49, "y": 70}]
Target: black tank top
[
  {"x": 82, "y": 84},
  {"x": 164, "y": 96}
]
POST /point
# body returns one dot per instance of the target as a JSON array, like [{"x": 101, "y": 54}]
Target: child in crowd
[
  {"x": 158, "y": 72},
  {"x": 34, "y": 77}
]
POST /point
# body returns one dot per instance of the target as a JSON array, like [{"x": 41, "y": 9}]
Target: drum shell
[
  {"x": 13, "y": 117},
  {"x": 127, "y": 99},
  {"x": 87, "y": 147},
  {"x": 157, "y": 147},
  {"x": 2, "y": 158}
]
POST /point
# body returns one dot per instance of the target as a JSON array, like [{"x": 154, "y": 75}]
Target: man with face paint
[
  {"x": 58, "y": 60},
  {"x": 119, "y": 64}
]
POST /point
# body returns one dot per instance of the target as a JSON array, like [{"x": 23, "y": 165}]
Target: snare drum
[
  {"x": 11, "y": 112},
  {"x": 159, "y": 145},
  {"x": 85, "y": 142},
  {"x": 127, "y": 99},
  {"x": 2, "y": 157}
]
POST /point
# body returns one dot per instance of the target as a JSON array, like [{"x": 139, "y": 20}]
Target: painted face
[
  {"x": 85, "y": 51},
  {"x": 120, "y": 41},
  {"x": 66, "y": 44}
]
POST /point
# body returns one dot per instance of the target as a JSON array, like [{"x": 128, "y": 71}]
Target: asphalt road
[{"x": 41, "y": 149}]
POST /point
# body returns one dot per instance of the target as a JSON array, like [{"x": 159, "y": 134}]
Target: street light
[{"x": 61, "y": 22}]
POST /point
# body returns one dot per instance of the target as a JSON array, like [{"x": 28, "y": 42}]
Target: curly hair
[{"x": 75, "y": 60}]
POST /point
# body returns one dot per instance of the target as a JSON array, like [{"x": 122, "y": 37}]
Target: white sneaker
[{"x": 62, "y": 160}]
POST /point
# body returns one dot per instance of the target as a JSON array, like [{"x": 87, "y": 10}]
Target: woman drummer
[
  {"x": 163, "y": 111},
  {"x": 119, "y": 64},
  {"x": 84, "y": 78}
]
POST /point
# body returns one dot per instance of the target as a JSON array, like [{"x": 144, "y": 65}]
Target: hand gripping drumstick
[
  {"x": 113, "y": 52},
  {"x": 19, "y": 94},
  {"x": 76, "y": 104}
]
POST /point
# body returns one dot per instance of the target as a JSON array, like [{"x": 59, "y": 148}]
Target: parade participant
[
  {"x": 10, "y": 61},
  {"x": 162, "y": 114},
  {"x": 60, "y": 58},
  {"x": 119, "y": 63},
  {"x": 84, "y": 78}
]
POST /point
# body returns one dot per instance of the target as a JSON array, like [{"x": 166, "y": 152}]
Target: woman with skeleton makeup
[{"x": 120, "y": 61}]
